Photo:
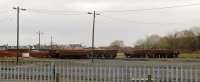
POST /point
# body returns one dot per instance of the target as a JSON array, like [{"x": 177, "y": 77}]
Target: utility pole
[
  {"x": 39, "y": 40},
  {"x": 18, "y": 11},
  {"x": 51, "y": 42},
  {"x": 174, "y": 45},
  {"x": 93, "y": 30}
]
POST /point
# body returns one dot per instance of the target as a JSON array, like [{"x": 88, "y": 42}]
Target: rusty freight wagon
[
  {"x": 39, "y": 54},
  {"x": 151, "y": 53},
  {"x": 83, "y": 53},
  {"x": 12, "y": 52}
]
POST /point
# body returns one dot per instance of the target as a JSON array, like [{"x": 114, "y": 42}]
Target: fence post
[
  {"x": 149, "y": 78},
  {"x": 53, "y": 72},
  {"x": 57, "y": 77}
]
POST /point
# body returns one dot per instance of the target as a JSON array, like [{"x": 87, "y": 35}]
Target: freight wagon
[
  {"x": 151, "y": 53},
  {"x": 112, "y": 53},
  {"x": 12, "y": 52},
  {"x": 84, "y": 53},
  {"x": 31, "y": 53},
  {"x": 96, "y": 53}
]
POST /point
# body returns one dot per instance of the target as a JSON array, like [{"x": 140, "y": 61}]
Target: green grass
[
  {"x": 7, "y": 58},
  {"x": 189, "y": 55}
]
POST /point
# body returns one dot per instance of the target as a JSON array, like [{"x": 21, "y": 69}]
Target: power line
[
  {"x": 75, "y": 12},
  {"x": 51, "y": 10},
  {"x": 48, "y": 13},
  {"x": 4, "y": 11},
  {"x": 147, "y": 9},
  {"x": 54, "y": 12},
  {"x": 6, "y": 17},
  {"x": 138, "y": 22},
  {"x": 61, "y": 12}
]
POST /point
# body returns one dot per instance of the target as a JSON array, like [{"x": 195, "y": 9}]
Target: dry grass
[{"x": 120, "y": 55}]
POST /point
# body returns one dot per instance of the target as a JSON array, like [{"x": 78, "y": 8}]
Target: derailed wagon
[{"x": 83, "y": 53}]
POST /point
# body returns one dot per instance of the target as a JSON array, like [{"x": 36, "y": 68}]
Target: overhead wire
[
  {"x": 4, "y": 11},
  {"x": 3, "y": 19},
  {"x": 75, "y": 12},
  {"x": 7, "y": 17},
  {"x": 141, "y": 22},
  {"x": 138, "y": 22},
  {"x": 156, "y": 8},
  {"x": 54, "y": 12},
  {"x": 47, "y": 13}
]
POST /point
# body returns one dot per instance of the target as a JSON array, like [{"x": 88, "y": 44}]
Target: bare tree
[
  {"x": 151, "y": 41},
  {"x": 117, "y": 44}
]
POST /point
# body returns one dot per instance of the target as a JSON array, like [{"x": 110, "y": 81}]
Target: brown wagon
[
  {"x": 83, "y": 53},
  {"x": 151, "y": 53}
]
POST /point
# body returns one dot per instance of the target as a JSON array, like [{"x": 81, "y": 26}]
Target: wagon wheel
[
  {"x": 95, "y": 56},
  {"x": 107, "y": 56},
  {"x": 89, "y": 56},
  {"x": 101, "y": 56},
  {"x": 110, "y": 56}
]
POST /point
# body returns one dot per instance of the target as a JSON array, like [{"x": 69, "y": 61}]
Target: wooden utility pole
[
  {"x": 18, "y": 11},
  {"x": 39, "y": 39},
  {"x": 93, "y": 31},
  {"x": 51, "y": 42}
]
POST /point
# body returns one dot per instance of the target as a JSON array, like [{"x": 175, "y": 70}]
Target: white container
[{"x": 25, "y": 55}]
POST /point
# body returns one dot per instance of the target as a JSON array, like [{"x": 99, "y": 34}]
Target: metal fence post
[
  {"x": 57, "y": 77},
  {"x": 149, "y": 78},
  {"x": 53, "y": 68}
]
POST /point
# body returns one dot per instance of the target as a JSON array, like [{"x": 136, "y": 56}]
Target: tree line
[{"x": 182, "y": 40}]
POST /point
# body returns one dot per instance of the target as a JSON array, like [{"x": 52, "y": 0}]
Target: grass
[
  {"x": 190, "y": 55},
  {"x": 120, "y": 55},
  {"x": 7, "y": 58}
]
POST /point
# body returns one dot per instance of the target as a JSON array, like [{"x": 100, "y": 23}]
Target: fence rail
[{"x": 98, "y": 71}]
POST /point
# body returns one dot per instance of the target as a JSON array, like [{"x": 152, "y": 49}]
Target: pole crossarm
[
  {"x": 18, "y": 8},
  {"x": 94, "y": 12}
]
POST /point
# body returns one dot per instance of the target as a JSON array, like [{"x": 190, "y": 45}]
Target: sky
[{"x": 67, "y": 21}]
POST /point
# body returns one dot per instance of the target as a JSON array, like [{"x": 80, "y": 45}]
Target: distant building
[
  {"x": 6, "y": 47},
  {"x": 3, "y": 47},
  {"x": 20, "y": 47},
  {"x": 75, "y": 46}
]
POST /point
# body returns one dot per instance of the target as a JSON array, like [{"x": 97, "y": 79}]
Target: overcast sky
[{"x": 68, "y": 22}]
